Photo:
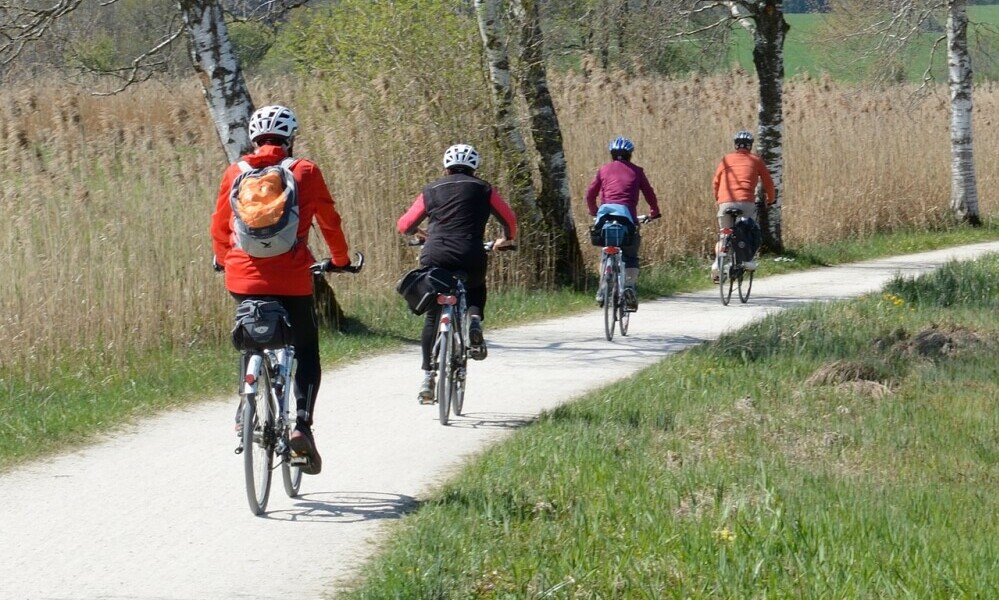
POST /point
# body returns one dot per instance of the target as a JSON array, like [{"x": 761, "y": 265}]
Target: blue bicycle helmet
[{"x": 622, "y": 144}]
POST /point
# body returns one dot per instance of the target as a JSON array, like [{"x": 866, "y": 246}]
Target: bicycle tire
[
  {"x": 292, "y": 477},
  {"x": 725, "y": 282},
  {"x": 458, "y": 399},
  {"x": 748, "y": 281},
  {"x": 258, "y": 451},
  {"x": 610, "y": 303},
  {"x": 444, "y": 376},
  {"x": 623, "y": 317}
]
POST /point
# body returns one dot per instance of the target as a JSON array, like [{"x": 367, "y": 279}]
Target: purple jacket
[{"x": 618, "y": 182}]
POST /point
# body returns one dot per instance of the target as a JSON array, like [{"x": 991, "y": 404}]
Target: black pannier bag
[
  {"x": 261, "y": 325},
  {"x": 612, "y": 231},
  {"x": 420, "y": 287},
  {"x": 748, "y": 238}
]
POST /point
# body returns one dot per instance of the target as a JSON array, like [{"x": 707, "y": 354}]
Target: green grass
[
  {"x": 808, "y": 51},
  {"x": 768, "y": 464},
  {"x": 85, "y": 396}
]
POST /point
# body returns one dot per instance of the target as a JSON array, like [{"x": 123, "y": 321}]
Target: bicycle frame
[{"x": 278, "y": 364}]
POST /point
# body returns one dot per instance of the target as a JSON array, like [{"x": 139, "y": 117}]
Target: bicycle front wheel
[
  {"x": 745, "y": 285},
  {"x": 725, "y": 281},
  {"x": 445, "y": 375},
  {"x": 460, "y": 382},
  {"x": 610, "y": 304},
  {"x": 623, "y": 317},
  {"x": 292, "y": 477},
  {"x": 258, "y": 449}
]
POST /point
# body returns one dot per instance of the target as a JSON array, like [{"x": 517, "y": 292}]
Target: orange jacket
[
  {"x": 737, "y": 176},
  {"x": 286, "y": 274}
]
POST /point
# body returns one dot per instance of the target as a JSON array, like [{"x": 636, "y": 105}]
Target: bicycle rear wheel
[
  {"x": 745, "y": 285},
  {"x": 445, "y": 375},
  {"x": 258, "y": 447}
]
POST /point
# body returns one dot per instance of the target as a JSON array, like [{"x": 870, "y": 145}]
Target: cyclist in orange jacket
[
  {"x": 735, "y": 182},
  {"x": 286, "y": 277}
]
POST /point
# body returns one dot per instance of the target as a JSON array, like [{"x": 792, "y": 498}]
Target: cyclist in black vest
[{"x": 457, "y": 207}]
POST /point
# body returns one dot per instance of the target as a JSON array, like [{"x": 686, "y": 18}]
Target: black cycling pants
[{"x": 308, "y": 374}]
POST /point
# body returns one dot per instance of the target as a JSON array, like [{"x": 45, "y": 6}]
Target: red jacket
[
  {"x": 619, "y": 182},
  {"x": 737, "y": 175},
  {"x": 286, "y": 274}
]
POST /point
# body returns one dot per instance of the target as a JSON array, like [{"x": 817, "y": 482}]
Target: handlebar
[
  {"x": 643, "y": 219},
  {"x": 487, "y": 246},
  {"x": 326, "y": 266}
]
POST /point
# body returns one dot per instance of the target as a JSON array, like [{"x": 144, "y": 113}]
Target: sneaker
[
  {"x": 426, "y": 395},
  {"x": 303, "y": 444},
  {"x": 749, "y": 265},
  {"x": 476, "y": 343},
  {"x": 715, "y": 276},
  {"x": 630, "y": 299}
]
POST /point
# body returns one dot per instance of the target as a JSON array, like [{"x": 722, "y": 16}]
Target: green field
[{"x": 810, "y": 49}]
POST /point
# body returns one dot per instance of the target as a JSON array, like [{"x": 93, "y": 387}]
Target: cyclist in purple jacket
[{"x": 619, "y": 182}]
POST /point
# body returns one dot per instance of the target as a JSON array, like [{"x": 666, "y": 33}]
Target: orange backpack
[{"x": 265, "y": 209}]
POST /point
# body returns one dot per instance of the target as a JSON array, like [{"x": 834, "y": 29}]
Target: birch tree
[
  {"x": 764, "y": 19},
  {"x": 963, "y": 187},
  {"x": 554, "y": 202},
  {"x": 892, "y": 27},
  {"x": 219, "y": 71},
  {"x": 489, "y": 16}
]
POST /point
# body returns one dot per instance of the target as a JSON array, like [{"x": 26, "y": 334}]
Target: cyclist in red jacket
[
  {"x": 735, "y": 183},
  {"x": 285, "y": 277},
  {"x": 457, "y": 206},
  {"x": 619, "y": 182}
]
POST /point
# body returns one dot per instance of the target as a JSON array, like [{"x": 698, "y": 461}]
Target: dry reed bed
[{"x": 107, "y": 200}]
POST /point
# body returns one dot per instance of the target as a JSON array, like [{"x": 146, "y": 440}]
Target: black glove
[{"x": 215, "y": 265}]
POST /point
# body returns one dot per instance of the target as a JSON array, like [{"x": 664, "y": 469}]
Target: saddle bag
[
  {"x": 261, "y": 325},
  {"x": 420, "y": 287}
]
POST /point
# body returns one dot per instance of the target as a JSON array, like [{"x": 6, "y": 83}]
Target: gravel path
[{"x": 158, "y": 511}]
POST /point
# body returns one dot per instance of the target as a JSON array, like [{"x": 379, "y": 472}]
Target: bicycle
[
  {"x": 616, "y": 311},
  {"x": 264, "y": 417},
  {"x": 450, "y": 353},
  {"x": 731, "y": 272}
]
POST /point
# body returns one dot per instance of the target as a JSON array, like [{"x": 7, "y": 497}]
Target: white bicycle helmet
[
  {"x": 744, "y": 139},
  {"x": 274, "y": 120},
  {"x": 461, "y": 155}
]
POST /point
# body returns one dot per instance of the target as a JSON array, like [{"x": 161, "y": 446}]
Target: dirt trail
[{"x": 158, "y": 510}]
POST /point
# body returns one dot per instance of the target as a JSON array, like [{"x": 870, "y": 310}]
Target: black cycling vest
[{"x": 457, "y": 208}]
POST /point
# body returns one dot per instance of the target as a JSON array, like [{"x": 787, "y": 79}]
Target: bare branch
[
  {"x": 141, "y": 68},
  {"x": 20, "y": 25}
]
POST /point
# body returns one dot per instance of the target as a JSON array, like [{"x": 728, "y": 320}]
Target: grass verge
[
  {"x": 85, "y": 395},
  {"x": 841, "y": 450}
]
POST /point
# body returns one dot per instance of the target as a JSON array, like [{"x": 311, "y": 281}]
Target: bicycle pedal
[{"x": 298, "y": 460}]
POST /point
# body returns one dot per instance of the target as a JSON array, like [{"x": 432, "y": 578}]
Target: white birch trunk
[
  {"x": 510, "y": 139},
  {"x": 218, "y": 68},
  {"x": 554, "y": 201},
  {"x": 963, "y": 189}
]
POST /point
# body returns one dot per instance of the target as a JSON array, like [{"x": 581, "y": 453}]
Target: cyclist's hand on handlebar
[
  {"x": 327, "y": 266},
  {"x": 500, "y": 245},
  {"x": 215, "y": 265}
]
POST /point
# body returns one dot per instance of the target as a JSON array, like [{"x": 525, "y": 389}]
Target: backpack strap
[
  {"x": 244, "y": 166},
  {"x": 289, "y": 162}
]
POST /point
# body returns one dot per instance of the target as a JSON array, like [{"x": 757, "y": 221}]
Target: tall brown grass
[{"x": 106, "y": 201}]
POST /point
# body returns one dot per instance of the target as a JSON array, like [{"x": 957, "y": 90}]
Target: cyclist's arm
[
  {"x": 409, "y": 223},
  {"x": 768, "y": 182},
  {"x": 591, "y": 194},
  {"x": 650, "y": 196},
  {"x": 314, "y": 188},
  {"x": 504, "y": 214},
  {"x": 221, "y": 227},
  {"x": 719, "y": 173}
]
